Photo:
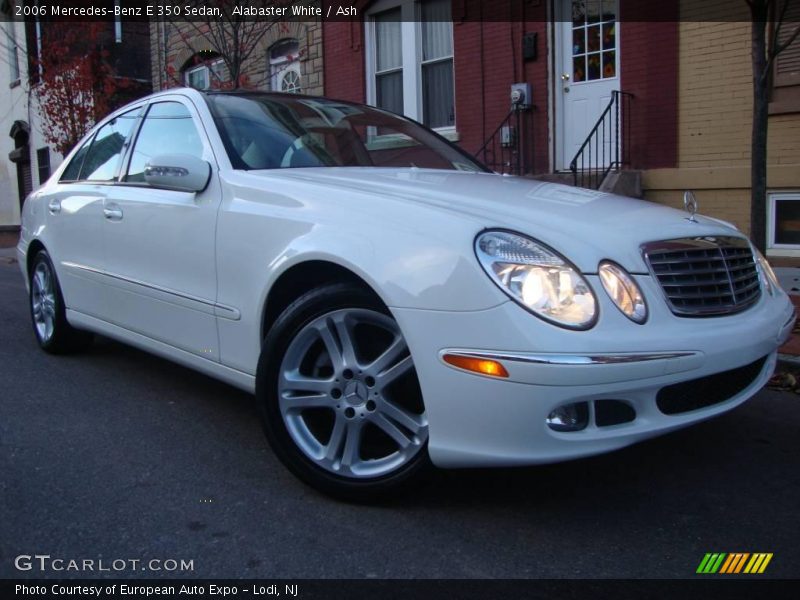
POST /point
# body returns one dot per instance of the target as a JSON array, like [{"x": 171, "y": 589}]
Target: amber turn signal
[{"x": 482, "y": 366}]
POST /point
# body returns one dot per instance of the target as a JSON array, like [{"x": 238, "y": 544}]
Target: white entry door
[{"x": 587, "y": 74}]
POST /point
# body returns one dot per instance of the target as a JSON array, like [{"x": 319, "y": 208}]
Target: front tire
[
  {"x": 48, "y": 313},
  {"x": 339, "y": 396}
]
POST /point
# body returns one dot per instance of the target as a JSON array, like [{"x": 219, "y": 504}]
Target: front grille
[
  {"x": 705, "y": 276},
  {"x": 707, "y": 391}
]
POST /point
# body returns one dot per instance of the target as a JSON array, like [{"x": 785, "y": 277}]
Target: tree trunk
[{"x": 758, "y": 174}]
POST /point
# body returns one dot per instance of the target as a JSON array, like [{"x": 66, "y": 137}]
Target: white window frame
[
  {"x": 117, "y": 25},
  {"x": 13, "y": 50},
  {"x": 411, "y": 39},
  {"x": 773, "y": 248},
  {"x": 205, "y": 68},
  {"x": 284, "y": 62}
]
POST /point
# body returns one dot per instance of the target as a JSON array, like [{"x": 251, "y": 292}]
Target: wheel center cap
[{"x": 355, "y": 392}]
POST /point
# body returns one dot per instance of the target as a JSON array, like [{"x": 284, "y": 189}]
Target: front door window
[{"x": 594, "y": 40}]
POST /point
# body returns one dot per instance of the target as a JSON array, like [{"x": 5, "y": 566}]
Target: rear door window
[
  {"x": 73, "y": 170},
  {"x": 101, "y": 162}
]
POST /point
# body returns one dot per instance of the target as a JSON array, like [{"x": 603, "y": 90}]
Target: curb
[{"x": 788, "y": 361}]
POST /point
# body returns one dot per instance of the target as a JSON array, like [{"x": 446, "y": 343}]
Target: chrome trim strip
[
  {"x": 220, "y": 310},
  {"x": 567, "y": 359}
]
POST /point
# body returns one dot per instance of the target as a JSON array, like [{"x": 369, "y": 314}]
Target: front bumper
[{"x": 478, "y": 420}]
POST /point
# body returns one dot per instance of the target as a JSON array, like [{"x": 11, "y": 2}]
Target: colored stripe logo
[{"x": 734, "y": 563}]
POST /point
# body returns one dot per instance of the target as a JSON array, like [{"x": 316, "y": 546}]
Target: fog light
[{"x": 571, "y": 417}]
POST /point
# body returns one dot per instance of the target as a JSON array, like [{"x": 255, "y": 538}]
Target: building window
[
  {"x": 43, "y": 163},
  {"x": 410, "y": 60},
  {"x": 117, "y": 25},
  {"x": 284, "y": 67},
  {"x": 783, "y": 221},
  {"x": 205, "y": 76},
  {"x": 12, "y": 49},
  {"x": 33, "y": 48}
]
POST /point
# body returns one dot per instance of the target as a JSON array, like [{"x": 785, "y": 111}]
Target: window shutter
[{"x": 787, "y": 63}]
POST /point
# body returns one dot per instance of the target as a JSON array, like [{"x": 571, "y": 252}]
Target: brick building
[
  {"x": 572, "y": 54},
  {"x": 285, "y": 56}
]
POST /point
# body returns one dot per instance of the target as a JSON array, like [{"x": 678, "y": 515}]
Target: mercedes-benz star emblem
[{"x": 690, "y": 204}]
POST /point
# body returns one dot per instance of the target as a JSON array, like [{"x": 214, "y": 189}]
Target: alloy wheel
[
  {"x": 43, "y": 301},
  {"x": 349, "y": 396}
]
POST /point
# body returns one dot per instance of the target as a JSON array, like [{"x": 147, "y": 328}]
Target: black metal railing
[
  {"x": 607, "y": 147},
  {"x": 503, "y": 151}
]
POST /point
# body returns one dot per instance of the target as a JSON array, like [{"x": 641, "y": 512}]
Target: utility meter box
[{"x": 521, "y": 95}]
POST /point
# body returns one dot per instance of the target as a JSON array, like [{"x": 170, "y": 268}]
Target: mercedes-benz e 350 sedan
[{"x": 391, "y": 303}]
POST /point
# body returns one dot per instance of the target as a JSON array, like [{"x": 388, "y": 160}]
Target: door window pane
[
  {"x": 579, "y": 68},
  {"x": 609, "y": 64},
  {"x": 167, "y": 129},
  {"x": 594, "y": 40},
  {"x": 102, "y": 159}
]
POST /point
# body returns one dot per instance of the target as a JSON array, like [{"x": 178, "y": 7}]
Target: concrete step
[
  {"x": 623, "y": 183},
  {"x": 563, "y": 177}
]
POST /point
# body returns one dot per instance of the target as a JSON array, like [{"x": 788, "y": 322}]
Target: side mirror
[{"x": 180, "y": 172}]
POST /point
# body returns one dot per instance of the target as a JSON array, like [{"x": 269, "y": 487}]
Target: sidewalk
[
  {"x": 8, "y": 245},
  {"x": 790, "y": 351}
]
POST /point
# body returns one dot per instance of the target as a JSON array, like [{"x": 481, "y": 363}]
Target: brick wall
[
  {"x": 649, "y": 70},
  {"x": 174, "y": 44},
  {"x": 715, "y": 121},
  {"x": 485, "y": 54},
  {"x": 344, "y": 68}
]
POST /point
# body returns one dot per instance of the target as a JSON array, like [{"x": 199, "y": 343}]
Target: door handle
[
  {"x": 565, "y": 77},
  {"x": 54, "y": 206},
  {"x": 113, "y": 212}
]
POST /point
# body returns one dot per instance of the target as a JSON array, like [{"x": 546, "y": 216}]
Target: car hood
[{"x": 584, "y": 225}]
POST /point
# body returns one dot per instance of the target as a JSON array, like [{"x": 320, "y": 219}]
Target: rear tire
[
  {"x": 48, "y": 313},
  {"x": 339, "y": 396}
]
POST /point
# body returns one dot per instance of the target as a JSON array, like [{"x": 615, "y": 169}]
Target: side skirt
[{"x": 238, "y": 379}]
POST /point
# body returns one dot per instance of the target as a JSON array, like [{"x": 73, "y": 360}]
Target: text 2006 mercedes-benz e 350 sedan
[{"x": 392, "y": 304}]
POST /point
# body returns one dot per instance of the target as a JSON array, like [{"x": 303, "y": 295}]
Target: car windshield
[{"x": 285, "y": 131}]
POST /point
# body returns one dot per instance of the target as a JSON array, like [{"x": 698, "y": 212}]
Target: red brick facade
[
  {"x": 487, "y": 38},
  {"x": 649, "y": 70}
]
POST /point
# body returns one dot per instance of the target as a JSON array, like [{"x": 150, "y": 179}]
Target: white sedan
[{"x": 391, "y": 303}]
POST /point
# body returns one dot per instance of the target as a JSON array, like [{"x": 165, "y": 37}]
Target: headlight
[
  {"x": 767, "y": 274},
  {"x": 623, "y": 291},
  {"x": 537, "y": 278}
]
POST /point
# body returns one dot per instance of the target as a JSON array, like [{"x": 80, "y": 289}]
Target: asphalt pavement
[{"x": 118, "y": 455}]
